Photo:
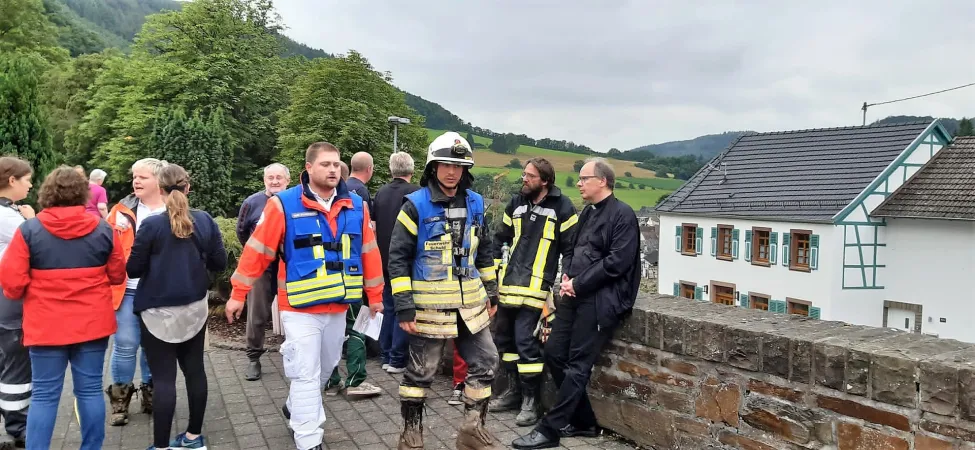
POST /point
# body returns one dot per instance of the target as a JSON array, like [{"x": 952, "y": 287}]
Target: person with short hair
[
  {"x": 62, "y": 264},
  {"x": 171, "y": 256},
  {"x": 393, "y": 340},
  {"x": 98, "y": 199},
  {"x": 276, "y": 179},
  {"x": 329, "y": 258},
  {"x": 15, "y": 374},
  {"x": 600, "y": 280},
  {"x": 126, "y": 217}
]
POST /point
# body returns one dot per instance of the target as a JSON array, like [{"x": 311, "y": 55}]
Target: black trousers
[
  {"x": 163, "y": 357},
  {"x": 573, "y": 346},
  {"x": 521, "y": 351},
  {"x": 15, "y": 380},
  {"x": 259, "y": 313}
]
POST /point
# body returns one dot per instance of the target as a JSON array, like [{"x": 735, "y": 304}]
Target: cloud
[{"x": 628, "y": 73}]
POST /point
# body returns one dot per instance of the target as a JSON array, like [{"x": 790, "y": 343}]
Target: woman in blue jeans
[
  {"x": 127, "y": 217},
  {"x": 62, "y": 264}
]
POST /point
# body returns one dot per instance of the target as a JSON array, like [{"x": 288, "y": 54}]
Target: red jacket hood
[{"x": 68, "y": 222}]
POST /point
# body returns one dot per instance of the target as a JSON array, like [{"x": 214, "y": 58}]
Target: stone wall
[{"x": 691, "y": 375}]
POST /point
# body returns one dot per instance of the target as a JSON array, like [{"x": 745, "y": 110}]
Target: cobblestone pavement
[{"x": 245, "y": 414}]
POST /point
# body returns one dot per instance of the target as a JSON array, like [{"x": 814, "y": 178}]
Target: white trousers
[{"x": 312, "y": 348}]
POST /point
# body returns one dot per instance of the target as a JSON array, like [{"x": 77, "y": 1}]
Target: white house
[
  {"x": 930, "y": 245},
  {"x": 781, "y": 221}
]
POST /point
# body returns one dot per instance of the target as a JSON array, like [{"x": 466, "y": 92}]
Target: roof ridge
[
  {"x": 855, "y": 127},
  {"x": 707, "y": 166}
]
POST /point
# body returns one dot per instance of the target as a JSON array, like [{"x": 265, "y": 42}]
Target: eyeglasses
[
  {"x": 530, "y": 176},
  {"x": 584, "y": 178}
]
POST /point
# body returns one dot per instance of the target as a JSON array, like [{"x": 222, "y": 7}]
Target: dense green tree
[
  {"x": 470, "y": 139},
  {"x": 514, "y": 163},
  {"x": 202, "y": 146},
  {"x": 965, "y": 127},
  {"x": 569, "y": 181},
  {"x": 628, "y": 174},
  {"x": 212, "y": 54},
  {"x": 345, "y": 101},
  {"x": 23, "y": 127},
  {"x": 577, "y": 166},
  {"x": 25, "y": 29}
]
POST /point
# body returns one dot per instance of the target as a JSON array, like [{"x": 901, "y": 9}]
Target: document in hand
[{"x": 369, "y": 326}]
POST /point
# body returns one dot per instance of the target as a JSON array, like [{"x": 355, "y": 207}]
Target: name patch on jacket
[
  {"x": 437, "y": 245},
  {"x": 299, "y": 215}
]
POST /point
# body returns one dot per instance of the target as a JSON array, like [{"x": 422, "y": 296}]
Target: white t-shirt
[{"x": 141, "y": 212}]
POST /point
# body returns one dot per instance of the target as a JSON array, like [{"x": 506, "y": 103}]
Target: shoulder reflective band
[{"x": 407, "y": 222}]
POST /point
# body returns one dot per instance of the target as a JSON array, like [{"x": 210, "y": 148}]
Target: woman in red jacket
[{"x": 62, "y": 265}]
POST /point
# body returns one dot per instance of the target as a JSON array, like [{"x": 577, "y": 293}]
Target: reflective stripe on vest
[
  {"x": 434, "y": 284},
  {"x": 532, "y": 295},
  {"x": 322, "y": 267}
]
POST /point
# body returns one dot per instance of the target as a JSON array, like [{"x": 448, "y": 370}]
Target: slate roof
[
  {"x": 944, "y": 188},
  {"x": 797, "y": 176}
]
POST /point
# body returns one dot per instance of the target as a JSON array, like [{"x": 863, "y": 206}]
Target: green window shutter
[
  {"x": 677, "y": 239},
  {"x": 734, "y": 244},
  {"x": 699, "y": 242},
  {"x": 748, "y": 245},
  {"x": 714, "y": 241},
  {"x": 699, "y": 293},
  {"x": 777, "y": 306},
  {"x": 743, "y": 300},
  {"x": 773, "y": 250},
  {"x": 814, "y": 313},
  {"x": 676, "y": 289},
  {"x": 785, "y": 249},
  {"x": 814, "y": 252}
]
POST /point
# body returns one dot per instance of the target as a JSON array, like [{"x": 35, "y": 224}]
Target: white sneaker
[
  {"x": 363, "y": 390},
  {"x": 385, "y": 367},
  {"x": 393, "y": 370}
]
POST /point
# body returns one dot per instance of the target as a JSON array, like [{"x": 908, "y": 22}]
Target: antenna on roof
[
  {"x": 724, "y": 171},
  {"x": 866, "y": 105}
]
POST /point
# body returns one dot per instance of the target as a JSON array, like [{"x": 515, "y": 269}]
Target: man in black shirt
[
  {"x": 599, "y": 286},
  {"x": 388, "y": 202}
]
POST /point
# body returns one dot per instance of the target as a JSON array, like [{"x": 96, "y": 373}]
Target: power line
[{"x": 866, "y": 105}]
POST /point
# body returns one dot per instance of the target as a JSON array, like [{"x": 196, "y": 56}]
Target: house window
[
  {"x": 798, "y": 307},
  {"x": 687, "y": 289},
  {"x": 724, "y": 242},
  {"x": 758, "y": 301},
  {"x": 761, "y": 248},
  {"x": 800, "y": 250},
  {"x": 723, "y": 293},
  {"x": 689, "y": 239}
]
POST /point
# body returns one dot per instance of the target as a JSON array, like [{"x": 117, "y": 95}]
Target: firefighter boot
[
  {"x": 412, "y": 437},
  {"x": 529, "y": 402},
  {"x": 472, "y": 434},
  {"x": 510, "y": 398},
  {"x": 145, "y": 393},
  {"x": 119, "y": 396}
]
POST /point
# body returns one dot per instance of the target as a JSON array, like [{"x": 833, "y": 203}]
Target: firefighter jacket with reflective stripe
[
  {"x": 537, "y": 235},
  {"x": 265, "y": 247},
  {"x": 437, "y": 271},
  {"x": 321, "y": 268}
]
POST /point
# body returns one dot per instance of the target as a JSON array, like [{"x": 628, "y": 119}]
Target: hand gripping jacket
[
  {"x": 433, "y": 283},
  {"x": 321, "y": 268}
]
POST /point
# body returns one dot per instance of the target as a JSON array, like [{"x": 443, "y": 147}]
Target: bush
[
  {"x": 619, "y": 185},
  {"x": 661, "y": 173},
  {"x": 628, "y": 174},
  {"x": 221, "y": 283},
  {"x": 643, "y": 186},
  {"x": 569, "y": 181},
  {"x": 514, "y": 164}
]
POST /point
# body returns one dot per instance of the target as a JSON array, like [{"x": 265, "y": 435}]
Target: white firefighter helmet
[{"x": 450, "y": 148}]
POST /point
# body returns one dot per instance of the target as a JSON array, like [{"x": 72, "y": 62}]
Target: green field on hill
[{"x": 488, "y": 162}]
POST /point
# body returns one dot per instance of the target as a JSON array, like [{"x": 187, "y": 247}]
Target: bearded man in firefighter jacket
[
  {"x": 539, "y": 226},
  {"x": 444, "y": 286},
  {"x": 328, "y": 259}
]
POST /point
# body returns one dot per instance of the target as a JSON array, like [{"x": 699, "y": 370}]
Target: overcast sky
[{"x": 611, "y": 73}]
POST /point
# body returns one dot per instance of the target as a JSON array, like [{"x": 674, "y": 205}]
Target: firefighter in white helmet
[{"x": 444, "y": 285}]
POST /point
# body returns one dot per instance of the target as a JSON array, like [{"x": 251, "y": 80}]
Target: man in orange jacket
[{"x": 329, "y": 257}]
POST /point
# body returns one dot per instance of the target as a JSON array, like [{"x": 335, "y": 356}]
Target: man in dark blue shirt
[
  {"x": 276, "y": 179},
  {"x": 355, "y": 385}
]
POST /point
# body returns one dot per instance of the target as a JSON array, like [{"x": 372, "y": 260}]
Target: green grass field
[{"x": 490, "y": 163}]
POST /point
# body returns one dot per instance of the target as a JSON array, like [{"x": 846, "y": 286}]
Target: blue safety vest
[
  {"x": 322, "y": 267},
  {"x": 438, "y": 282}
]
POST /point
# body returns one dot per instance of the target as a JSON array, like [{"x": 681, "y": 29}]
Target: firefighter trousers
[
  {"x": 311, "y": 349},
  {"x": 521, "y": 351},
  {"x": 15, "y": 382},
  {"x": 423, "y": 359}
]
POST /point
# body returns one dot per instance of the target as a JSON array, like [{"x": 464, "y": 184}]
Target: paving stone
[{"x": 246, "y": 415}]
